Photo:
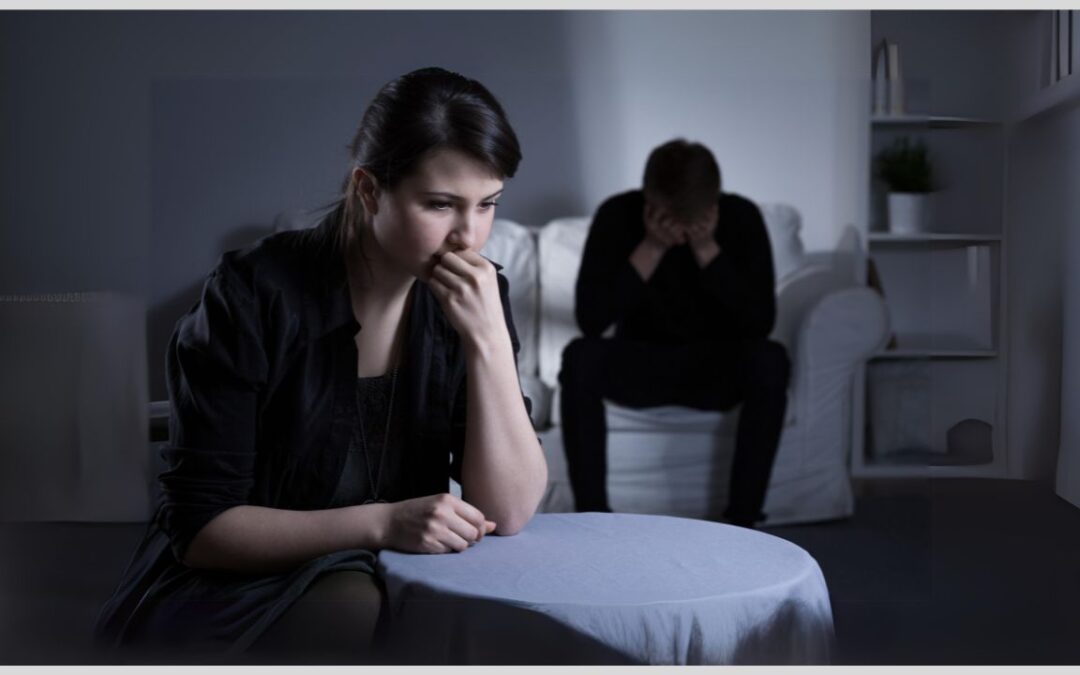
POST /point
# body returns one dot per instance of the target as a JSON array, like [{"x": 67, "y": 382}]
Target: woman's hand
[
  {"x": 435, "y": 524},
  {"x": 467, "y": 287}
]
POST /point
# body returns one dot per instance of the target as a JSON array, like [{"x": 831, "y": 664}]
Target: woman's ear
[{"x": 367, "y": 189}]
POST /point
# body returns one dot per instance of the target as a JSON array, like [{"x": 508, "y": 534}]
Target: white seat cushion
[{"x": 669, "y": 419}]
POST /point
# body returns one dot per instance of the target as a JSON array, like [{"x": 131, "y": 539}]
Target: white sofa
[{"x": 675, "y": 461}]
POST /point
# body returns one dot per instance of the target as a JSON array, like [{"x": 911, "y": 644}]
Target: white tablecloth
[{"x": 611, "y": 588}]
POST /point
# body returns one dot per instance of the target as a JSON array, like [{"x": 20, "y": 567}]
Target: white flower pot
[{"x": 909, "y": 212}]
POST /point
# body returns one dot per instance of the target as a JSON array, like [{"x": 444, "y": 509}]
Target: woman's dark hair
[
  {"x": 685, "y": 175},
  {"x": 421, "y": 111}
]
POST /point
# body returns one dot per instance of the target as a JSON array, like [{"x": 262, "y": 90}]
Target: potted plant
[{"x": 905, "y": 168}]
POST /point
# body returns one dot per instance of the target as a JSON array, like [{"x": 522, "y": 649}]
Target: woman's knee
[
  {"x": 345, "y": 586},
  {"x": 342, "y": 595},
  {"x": 334, "y": 619}
]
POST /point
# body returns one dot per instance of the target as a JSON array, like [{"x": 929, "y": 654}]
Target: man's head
[{"x": 682, "y": 179}]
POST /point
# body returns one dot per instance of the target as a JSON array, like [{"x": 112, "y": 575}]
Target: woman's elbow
[
  {"x": 204, "y": 549},
  {"x": 514, "y": 522},
  {"x": 508, "y": 527}
]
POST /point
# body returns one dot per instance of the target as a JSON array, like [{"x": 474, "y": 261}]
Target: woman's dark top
[
  {"x": 262, "y": 379},
  {"x": 370, "y": 473},
  {"x": 730, "y": 300}
]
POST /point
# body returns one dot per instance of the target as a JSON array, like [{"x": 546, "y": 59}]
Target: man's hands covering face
[
  {"x": 661, "y": 230},
  {"x": 701, "y": 230},
  {"x": 664, "y": 231}
]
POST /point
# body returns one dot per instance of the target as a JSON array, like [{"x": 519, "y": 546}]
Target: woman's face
[{"x": 448, "y": 203}]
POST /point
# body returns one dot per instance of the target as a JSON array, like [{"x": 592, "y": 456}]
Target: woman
[{"x": 326, "y": 387}]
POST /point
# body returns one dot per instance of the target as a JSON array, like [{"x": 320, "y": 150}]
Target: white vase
[{"x": 909, "y": 212}]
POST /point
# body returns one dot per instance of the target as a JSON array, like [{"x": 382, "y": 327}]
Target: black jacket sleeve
[
  {"x": 741, "y": 277},
  {"x": 608, "y": 286},
  {"x": 216, "y": 368}
]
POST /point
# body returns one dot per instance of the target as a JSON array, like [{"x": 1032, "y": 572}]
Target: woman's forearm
[
  {"x": 504, "y": 472},
  {"x": 266, "y": 540}
]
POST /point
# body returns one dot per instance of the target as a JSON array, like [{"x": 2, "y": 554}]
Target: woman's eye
[
  {"x": 484, "y": 206},
  {"x": 439, "y": 206}
]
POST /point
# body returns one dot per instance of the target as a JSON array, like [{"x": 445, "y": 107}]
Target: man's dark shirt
[{"x": 730, "y": 300}]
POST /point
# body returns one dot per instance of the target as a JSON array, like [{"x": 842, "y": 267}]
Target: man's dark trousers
[{"x": 702, "y": 375}]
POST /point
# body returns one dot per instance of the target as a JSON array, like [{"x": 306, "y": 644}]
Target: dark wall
[{"x": 138, "y": 146}]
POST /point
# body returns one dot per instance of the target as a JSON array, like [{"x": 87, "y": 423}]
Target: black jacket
[{"x": 262, "y": 379}]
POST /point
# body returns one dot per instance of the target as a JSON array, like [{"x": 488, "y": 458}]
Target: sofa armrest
[
  {"x": 843, "y": 328},
  {"x": 797, "y": 294},
  {"x": 837, "y": 334}
]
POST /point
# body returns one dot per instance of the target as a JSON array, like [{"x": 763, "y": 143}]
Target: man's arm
[
  {"x": 740, "y": 276},
  {"x": 617, "y": 264}
]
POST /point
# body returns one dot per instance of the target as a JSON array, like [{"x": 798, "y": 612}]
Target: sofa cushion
[
  {"x": 514, "y": 247},
  {"x": 783, "y": 224},
  {"x": 559, "y": 246},
  {"x": 661, "y": 419},
  {"x": 669, "y": 419}
]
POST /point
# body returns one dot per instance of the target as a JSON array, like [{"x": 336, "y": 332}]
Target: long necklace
[{"x": 375, "y": 481}]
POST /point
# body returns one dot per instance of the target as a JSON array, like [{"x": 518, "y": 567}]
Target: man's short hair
[{"x": 684, "y": 175}]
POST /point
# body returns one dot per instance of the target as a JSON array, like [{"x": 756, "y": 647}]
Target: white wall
[
  {"x": 780, "y": 98},
  {"x": 140, "y": 145}
]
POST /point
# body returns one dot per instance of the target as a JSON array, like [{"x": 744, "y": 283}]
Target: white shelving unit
[{"x": 935, "y": 398}]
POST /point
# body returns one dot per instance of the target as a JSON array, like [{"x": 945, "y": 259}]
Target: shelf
[
  {"x": 933, "y": 238},
  {"x": 930, "y": 121},
  {"x": 882, "y": 470},
  {"x": 1059, "y": 94},
  {"x": 898, "y": 354},
  {"x": 948, "y": 344},
  {"x": 934, "y": 406}
]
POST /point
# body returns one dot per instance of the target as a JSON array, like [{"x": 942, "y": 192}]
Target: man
[{"x": 685, "y": 274}]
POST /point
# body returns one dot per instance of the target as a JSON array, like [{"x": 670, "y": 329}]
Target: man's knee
[
  {"x": 580, "y": 359},
  {"x": 769, "y": 366}
]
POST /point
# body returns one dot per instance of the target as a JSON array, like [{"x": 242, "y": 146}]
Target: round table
[{"x": 610, "y": 588}]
